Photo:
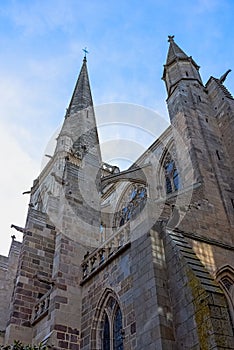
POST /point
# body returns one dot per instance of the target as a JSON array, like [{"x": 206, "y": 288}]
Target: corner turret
[{"x": 179, "y": 67}]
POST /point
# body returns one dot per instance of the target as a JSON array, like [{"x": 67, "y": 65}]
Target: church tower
[
  {"x": 203, "y": 159},
  {"x": 80, "y": 164},
  {"x": 63, "y": 216}
]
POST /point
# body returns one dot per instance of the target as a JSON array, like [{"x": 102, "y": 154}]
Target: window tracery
[
  {"x": 132, "y": 203},
  {"x": 112, "y": 332},
  {"x": 107, "y": 332}
]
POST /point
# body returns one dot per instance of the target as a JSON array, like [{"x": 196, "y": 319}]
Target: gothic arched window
[
  {"x": 132, "y": 203},
  {"x": 172, "y": 179},
  {"x": 112, "y": 326}
]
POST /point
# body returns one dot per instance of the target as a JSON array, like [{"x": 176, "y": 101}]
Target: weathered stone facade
[{"x": 138, "y": 259}]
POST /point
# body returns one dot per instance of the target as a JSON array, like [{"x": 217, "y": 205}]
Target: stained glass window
[
  {"x": 111, "y": 327},
  {"x": 172, "y": 180},
  {"x": 168, "y": 185},
  {"x": 176, "y": 180},
  {"x": 132, "y": 203},
  {"x": 106, "y": 334},
  {"x": 117, "y": 331}
]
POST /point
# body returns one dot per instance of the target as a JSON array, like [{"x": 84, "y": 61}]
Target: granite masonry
[{"x": 134, "y": 259}]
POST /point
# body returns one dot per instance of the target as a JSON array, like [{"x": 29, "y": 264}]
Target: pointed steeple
[
  {"x": 78, "y": 164},
  {"x": 82, "y": 97},
  {"x": 179, "y": 67},
  {"x": 79, "y": 131},
  {"x": 174, "y": 51}
]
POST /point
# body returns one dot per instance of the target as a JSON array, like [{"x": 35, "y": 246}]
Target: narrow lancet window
[
  {"x": 111, "y": 328},
  {"x": 172, "y": 179},
  {"x": 118, "y": 331},
  {"x": 106, "y": 333}
]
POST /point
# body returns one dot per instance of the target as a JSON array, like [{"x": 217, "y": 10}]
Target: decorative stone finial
[{"x": 171, "y": 38}]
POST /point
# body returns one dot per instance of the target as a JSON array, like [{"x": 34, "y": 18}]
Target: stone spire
[
  {"x": 81, "y": 97},
  {"x": 79, "y": 130},
  {"x": 179, "y": 67},
  {"x": 77, "y": 167}
]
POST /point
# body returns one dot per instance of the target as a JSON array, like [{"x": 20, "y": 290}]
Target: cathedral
[{"x": 135, "y": 259}]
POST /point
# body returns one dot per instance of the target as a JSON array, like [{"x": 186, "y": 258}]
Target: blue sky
[{"x": 41, "y": 54}]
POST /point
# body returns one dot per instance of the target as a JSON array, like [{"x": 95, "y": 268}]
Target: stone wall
[
  {"x": 223, "y": 104},
  {"x": 8, "y": 268},
  {"x": 136, "y": 276},
  {"x": 116, "y": 276},
  {"x": 33, "y": 278},
  {"x": 64, "y": 316},
  {"x": 200, "y": 314}
]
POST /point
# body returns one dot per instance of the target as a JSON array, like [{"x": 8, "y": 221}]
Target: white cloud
[
  {"x": 17, "y": 173},
  {"x": 26, "y": 108}
]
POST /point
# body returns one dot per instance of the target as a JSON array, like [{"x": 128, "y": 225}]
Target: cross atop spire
[
  {"x": 85, "y": 52},
  {"x": 171, "y": 38}
]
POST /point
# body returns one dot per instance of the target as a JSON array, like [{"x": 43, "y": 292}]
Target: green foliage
[{"x": 19, "y": 346}]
